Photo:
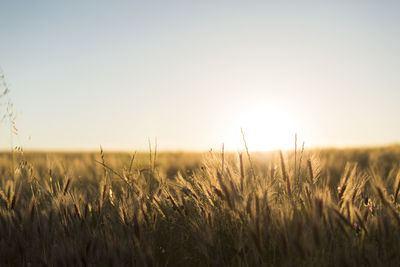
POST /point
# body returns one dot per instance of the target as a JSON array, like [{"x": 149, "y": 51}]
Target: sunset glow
[
  {"x": 265, "y": 127},
  {"x": 193, "y": 73}
]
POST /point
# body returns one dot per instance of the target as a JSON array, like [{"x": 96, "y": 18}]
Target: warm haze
[
  {"x": 226, "y": 93},
  {"x": 191, "y": 73}
]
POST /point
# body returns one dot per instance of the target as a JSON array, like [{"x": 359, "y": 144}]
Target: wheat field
[
  {"x": 329, "y": 207},
  {"x": 83, "y": 84}
]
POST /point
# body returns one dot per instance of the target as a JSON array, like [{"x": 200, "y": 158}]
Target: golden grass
[{"x": 298, "y": 208}]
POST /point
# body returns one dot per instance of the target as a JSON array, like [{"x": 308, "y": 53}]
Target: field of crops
[{"x": 326, "y": 207}]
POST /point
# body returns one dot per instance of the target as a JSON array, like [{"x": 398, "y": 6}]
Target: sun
[{"x": 265, "y": 128}]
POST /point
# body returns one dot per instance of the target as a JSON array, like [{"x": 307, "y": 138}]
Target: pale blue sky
[{"x": 84, "y": 73}]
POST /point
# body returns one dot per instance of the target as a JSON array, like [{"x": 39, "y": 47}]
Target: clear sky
[{"x": 191, "y": 73}]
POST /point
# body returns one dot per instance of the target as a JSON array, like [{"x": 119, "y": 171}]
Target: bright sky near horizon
[{"x": 191, "y": 73}]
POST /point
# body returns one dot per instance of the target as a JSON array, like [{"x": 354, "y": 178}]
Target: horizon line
[{"x": 180, "y": 150}]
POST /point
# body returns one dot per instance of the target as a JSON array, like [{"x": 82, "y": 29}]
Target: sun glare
[{"x": 265, "y": 128}]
